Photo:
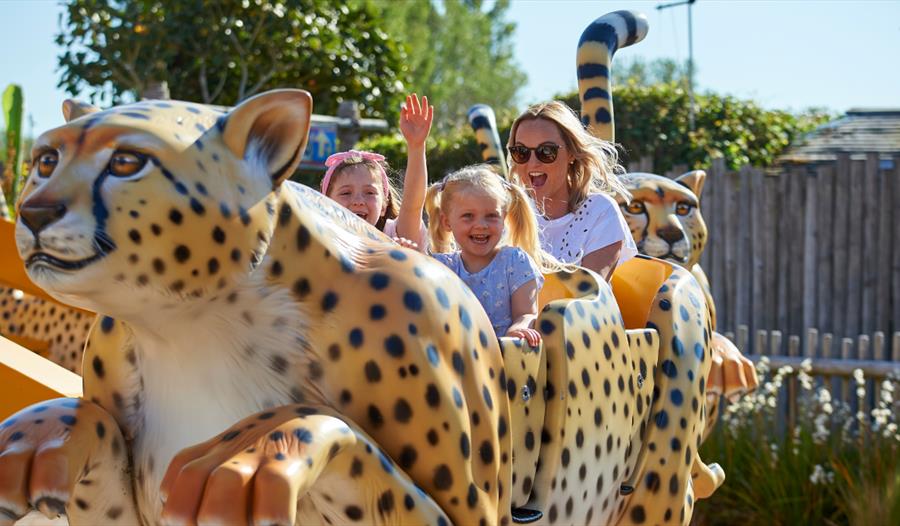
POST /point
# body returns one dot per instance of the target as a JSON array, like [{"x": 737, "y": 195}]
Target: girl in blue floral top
[{"x": 495, "y": 248}]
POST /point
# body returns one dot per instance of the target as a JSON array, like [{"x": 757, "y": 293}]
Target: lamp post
[{"x": 690, "y": 4}]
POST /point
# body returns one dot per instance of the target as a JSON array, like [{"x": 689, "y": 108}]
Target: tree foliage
[
  {"x": 225, "y": 51},
  {"x": 651, "y": 120},
  {"x": 459, "y": 54}
]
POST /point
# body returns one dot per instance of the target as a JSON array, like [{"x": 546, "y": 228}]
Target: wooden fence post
[
  {"x": 870, "y": 247},
  {"x": 846, "y": 348},
  {"x": 760, "y": 345},
  {"x": 793, "y": 352},
  {"x": 756, "y": 319},
  {"x": 887, "y": 217},
  {"x": 856, "y": 247},
  {"x": 878, "y": 355},
  {"x": 839, "y": 303},
  {"x": 810, "y": 239},
  {"x": 895, "y": 347},
  {"x": 795, "y": 249},
  {"x": 895, "y": 261},
  {"x": 772, "y": 245},
  {"x": 826, "y": 354},
  {"x": 784, "y": 229},
  {"x": 718, "y": 232},
  {"x": 731, "y": 249},
  {"x": 825, "y": 245},
  {"x": 742, "y": 336},
  {"x": 775, "y": 342}
]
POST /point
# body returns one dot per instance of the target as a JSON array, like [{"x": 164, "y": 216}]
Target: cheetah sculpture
[{"x": 265, "y": 356}]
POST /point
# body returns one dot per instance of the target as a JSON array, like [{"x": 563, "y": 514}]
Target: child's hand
[
  {"x": 406, "y": 243},
  {"x": 532, "y": 336},
  {"x": 415, "y": 120}
]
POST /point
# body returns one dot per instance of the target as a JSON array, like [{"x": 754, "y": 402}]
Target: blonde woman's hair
[
  {"x": 595, "y": 166},
  {"x": 392, "y": 199},
  {"x": 520, "y": 221}
]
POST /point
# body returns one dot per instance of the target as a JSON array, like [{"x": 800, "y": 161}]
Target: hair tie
[{"x": 335, "y": 160}]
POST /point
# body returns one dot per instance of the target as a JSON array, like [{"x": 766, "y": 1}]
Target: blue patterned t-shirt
[{"x": 495, "y": 284}]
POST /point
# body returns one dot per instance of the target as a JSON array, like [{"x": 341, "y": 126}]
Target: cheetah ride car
[{"x": 236, "y": 373}]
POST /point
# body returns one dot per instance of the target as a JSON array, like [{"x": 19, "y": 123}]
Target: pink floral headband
[{"x": 334, "y": 161}]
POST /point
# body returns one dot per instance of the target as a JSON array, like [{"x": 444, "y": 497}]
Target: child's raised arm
[{"x": 415, "y": 124}]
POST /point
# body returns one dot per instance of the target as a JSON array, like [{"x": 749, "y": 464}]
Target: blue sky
[{"x": 788, "y": 54}]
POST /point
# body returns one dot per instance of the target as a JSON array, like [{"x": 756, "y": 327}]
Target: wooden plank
[
  {"x": 887, "y": 216},
  {"x": 826, "y": 353},
  {"x": 731, "y": 250},
  {"x": 895, "y": 347},
  {"x": 895, "y": 242},
  {"x": 760, "y": 346},
  {"x": 796, "y": 247},
  {"x": 757, "y": 256},
  {"x": 744, "y": 250},
  {"x": 834, "y": 367},
  {"x": 846, "y": 349},
  {"x": 855, "y": 249},
  {"x": 713, "y": 202},
  {"x": 793, "y": 352},
  {"x": 810, "y": 239},
  {"x": 784, "y": 253},
  {"x": 824, "y": 245},
  {"x": 812, "y": 341},
  {"x": 742, "y": 335},
  {"x": 877, "y": 355},
  {"x": 862, "y": 347},
  {"x": 706, "y": 209},
  {"x": 870, "y": 248},
  {"x": 773, "y": 212},
  {"x": 775, "y": 343},
  {"x": 839, "y": 276}
]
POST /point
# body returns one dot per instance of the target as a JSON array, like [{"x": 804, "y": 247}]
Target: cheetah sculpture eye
[
  {"x": 683, "y": 209},
  {"x": 635, "y": 207},
  {"x": 125, "y": 164},
  {"x": 46, "y": 163}
]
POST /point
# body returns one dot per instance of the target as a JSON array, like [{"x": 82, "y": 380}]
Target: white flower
[
  {"x": 827, "y": 409},
  {"x": 824, "y": 395},
  {"x": 859, "y": 377},
  {"x": 860, "y": 392}
]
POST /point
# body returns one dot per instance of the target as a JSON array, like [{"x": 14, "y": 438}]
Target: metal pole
[
  {"x": 690, "y": 82},
  {"x": 691, "y": 65}
]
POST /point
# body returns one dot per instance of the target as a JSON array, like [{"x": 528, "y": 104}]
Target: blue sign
[{"x": 322, "y": 143}]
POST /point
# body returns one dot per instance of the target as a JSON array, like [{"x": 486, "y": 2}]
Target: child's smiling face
[
  {"x": 358, "y": 189},
  {"x": 476, "y": 219}
]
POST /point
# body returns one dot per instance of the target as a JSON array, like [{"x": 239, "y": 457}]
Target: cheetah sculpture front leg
[
  {"x": 65, "y": 456},
  {"x": 297, "y": 464}
]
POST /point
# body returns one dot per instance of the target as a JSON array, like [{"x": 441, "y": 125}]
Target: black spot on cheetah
[
  {"x": 182, "y": 253},
  {"x": 175, "y": 216},
  {"x": 135, "y": 236},
  {"x": 394, "y": 346},
  {"x": 303, "y": 238},
  {"x": 212, "y": 266},
  {"x": 98, "y": 367},
  {"x": 101, "y": 430},
  {"x": 443, "y": 478},
  {"x": 329, "y": 301},
  {"x": 278, "y": 364},
  {"x": 375, "y": 417},
  {"x": 432, "y": 396},
  {"x": 107, "y": 324},
  {"x": 486, "y": 452},
  {"x": 353, "y": 513}
]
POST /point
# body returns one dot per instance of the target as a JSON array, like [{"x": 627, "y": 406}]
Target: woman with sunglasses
[{"x": 572, "y": 176}]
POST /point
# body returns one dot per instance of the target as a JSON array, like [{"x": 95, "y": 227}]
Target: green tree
[
  {"x": 641, "y": 72},
  {"x": 459, "y": 53},
  {"x": 225, "y": 51},
  {"x": 652, "y": 120}
]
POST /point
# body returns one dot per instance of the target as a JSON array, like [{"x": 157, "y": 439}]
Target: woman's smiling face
[{"x": 545, "y": 180}]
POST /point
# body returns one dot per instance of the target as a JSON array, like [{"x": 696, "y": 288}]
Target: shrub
[{"x": 834, "y": 467}]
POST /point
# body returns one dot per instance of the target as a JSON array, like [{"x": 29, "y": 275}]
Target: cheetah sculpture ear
[
  {"x": 273, "y": 125},
  {"x": 693, "y": 181},
  {"x": 73, "y": 109}
]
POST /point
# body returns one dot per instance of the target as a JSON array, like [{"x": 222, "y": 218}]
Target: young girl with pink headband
[{"x": 359, "y": 182}]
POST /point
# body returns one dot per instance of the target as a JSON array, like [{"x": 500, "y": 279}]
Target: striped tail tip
[{"x": 616, "y": 30}]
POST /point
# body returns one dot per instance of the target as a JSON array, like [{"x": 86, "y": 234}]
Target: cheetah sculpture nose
[{"x": 38, "y": 215}]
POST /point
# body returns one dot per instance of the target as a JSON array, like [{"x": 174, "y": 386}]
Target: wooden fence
[
  {"x": 805, "y": 246},
  {"x": 832, "y": 362}
]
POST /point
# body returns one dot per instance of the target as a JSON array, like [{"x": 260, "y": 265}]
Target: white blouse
[{"x": 596, "y": 224}]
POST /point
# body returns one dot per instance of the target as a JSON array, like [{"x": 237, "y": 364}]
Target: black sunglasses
[{"x": 545, "y": 152}]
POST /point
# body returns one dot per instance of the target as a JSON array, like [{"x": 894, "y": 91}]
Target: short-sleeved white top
[{"x": 597, "y": 223}]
